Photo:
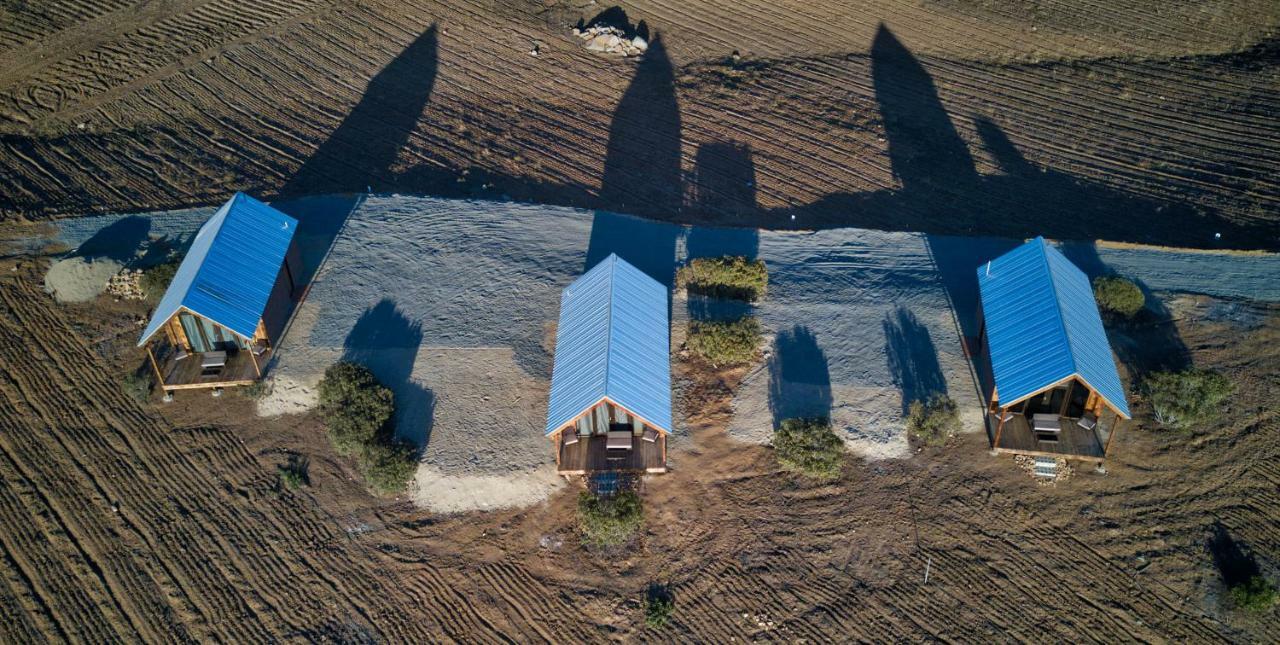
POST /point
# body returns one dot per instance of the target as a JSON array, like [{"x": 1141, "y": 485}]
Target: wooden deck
[
  {"x": 186, "y": 373},
  {"x": 589, "y": 455},
  {"x": 1073, "y": 441}
]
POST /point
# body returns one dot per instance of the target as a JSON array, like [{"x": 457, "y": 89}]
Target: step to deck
[{"x": 1046, "y": 467}]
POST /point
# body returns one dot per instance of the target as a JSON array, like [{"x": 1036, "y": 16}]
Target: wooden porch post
[
  {"x": 999, "y": 428},
  {"x": 1066, "y": 399},
  {"x": 253, "y": 357},
  {"x": 1115, "y": 427},
  {"x": 155, "y": 366}
]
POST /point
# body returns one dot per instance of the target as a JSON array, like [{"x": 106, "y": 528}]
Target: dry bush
[
  {"x": 725, "y": 343},
  {"x": 933, "y": 421},
  {"x": 809, "y": 447},
  {"x": 731, "y": 276},
  {"x": 609, "y": 521}
]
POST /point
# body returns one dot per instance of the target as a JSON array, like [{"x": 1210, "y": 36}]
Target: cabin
[
  {"x": 610, "y": 404},
  {"x": 1055, "y": 390},
  {"x": 229, "y": 300}
]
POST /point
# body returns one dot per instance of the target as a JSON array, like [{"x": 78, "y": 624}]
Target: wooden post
[
  {"x": 555, "y": 441},
  {"x": 999, "y": 428},
  {"x": 1115, "y": 427},
  {"x": 1066, "y": 399},
  {"x": 155, "y": 366},
  {"x": 253, "y": 357}
]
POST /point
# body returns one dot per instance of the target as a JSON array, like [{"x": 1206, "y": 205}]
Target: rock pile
[
  {"x": 1028, "y": 465},
  {"x": 611, "y": 40},
  {"x": 127, "y": 285}
]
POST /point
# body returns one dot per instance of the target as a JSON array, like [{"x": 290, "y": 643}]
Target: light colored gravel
[
  {"x": 451, "y": 303},
  {"x": 79, "y": 279}
]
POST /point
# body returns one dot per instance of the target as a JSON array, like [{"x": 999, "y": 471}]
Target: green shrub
[
  {"x": 724, "y": 343},
  {"x": 658, "y": 604},
  {"x": 1118, "y": 296},
  {"x": 387, "y": 466},
  {"x": 1185, "y": 399},
  {"x": 731, "y": 276},
  {"x": 933, "y": 421},
  {"x": 293, "y": 475},
  {"x": 138, "y": 386},
  {"x": 156, "y": 279},
  {"x": 609, "y": 521},
  {"x": 809, "y": 447},
  {"x": 355, "y": 407},
  {"x": 1254, "y": 594}
]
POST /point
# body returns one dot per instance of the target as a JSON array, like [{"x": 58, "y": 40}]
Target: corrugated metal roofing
[
  {"x": 1043, "y": 325},
  {"x": 614, "y": 342},
  {"x": 228, "y": 272}
]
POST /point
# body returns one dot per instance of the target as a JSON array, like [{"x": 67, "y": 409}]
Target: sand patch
[{"x": 79, "y": 279}]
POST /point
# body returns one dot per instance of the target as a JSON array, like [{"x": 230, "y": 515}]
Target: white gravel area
[{"x": 451, "y": 303}]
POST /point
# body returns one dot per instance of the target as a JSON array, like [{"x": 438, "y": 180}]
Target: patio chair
[{"x": 1087, "y": 421}]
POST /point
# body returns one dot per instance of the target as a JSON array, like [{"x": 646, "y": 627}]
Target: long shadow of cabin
[
  {"x": 384, "y": 340},
  {"x": 642, "y": 172}
]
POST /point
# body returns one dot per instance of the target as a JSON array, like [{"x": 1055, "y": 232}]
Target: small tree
[
  {"x": 809, "y": 447},
  {"x": 724, "y": 343},
  {"x": 294, "y": 475},
  {"x": 1253, "y": 595},
  {"x": 1184, "y": 399},
  {"x": 658, "y": 604},
  {"x": 388, "y": 466},
  {"x": 933, "y": 421},
  {"x": 155, "y": 280},
  {"x": 1118, "y": 295},
  {"x": 355, "y": 406},
  {"x": 609, "y": 521}
]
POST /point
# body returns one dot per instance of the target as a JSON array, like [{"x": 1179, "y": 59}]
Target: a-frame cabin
[
  {"x": 229, "y": 300},
  {"x": 610, "y": 405},
  {"x": 1055, "y": 388}
]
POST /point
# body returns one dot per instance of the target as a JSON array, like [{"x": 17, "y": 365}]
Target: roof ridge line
[
  {"x": 608, "y": 334},
  {"x": 1057, "y": 304}
]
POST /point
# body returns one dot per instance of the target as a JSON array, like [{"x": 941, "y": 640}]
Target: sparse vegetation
[
  {"x": 933, "y": 421},
  {"x": 355, "y": 407},
  {"x": 138, "y": 386},
  {"x": 1254, "y": 595},
  {"x": 357, "y": 411},
  {"x": 609, "y": 521},
  {"x": 1118, "y": 296},
  {"x": 254, "y": 391},
  {"x": 658, "y": 604},
  {"x": 731, "y": 276},
  {"x": 1182, "y": 400},
  {"x": 809, "y": 447},
  {"x": 294, "y": 474},
  {"x": 156, "y": 279},
  {"x": 724, "y": 343}
]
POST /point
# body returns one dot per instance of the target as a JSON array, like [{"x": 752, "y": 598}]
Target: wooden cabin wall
[
  {"x": 176, "y": 334},
  {"x": 280, "y": 302},
  {"x": 599, "y": 418}
]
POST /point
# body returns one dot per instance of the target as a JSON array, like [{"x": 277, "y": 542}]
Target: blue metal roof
[
  {"x": 1043, "y": 326},
  {"x": 230, "y": 268},
  {"x": 613, "y": 342}
]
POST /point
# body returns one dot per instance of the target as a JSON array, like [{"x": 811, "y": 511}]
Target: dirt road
[{"x": 1134, "y": 121}]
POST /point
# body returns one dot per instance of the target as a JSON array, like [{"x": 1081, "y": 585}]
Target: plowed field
[
  {"x": 165, "y": 523},
  {"x": 1131, "y": 120}
]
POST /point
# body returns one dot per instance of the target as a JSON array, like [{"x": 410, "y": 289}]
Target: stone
[{"x": 639, "y": 43}]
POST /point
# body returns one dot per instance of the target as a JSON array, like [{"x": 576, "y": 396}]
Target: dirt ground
[
  {"x": 166, "y": 522},
  {"x": 946, "y": 117},
  {"x": 1129, "y": 121}
]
